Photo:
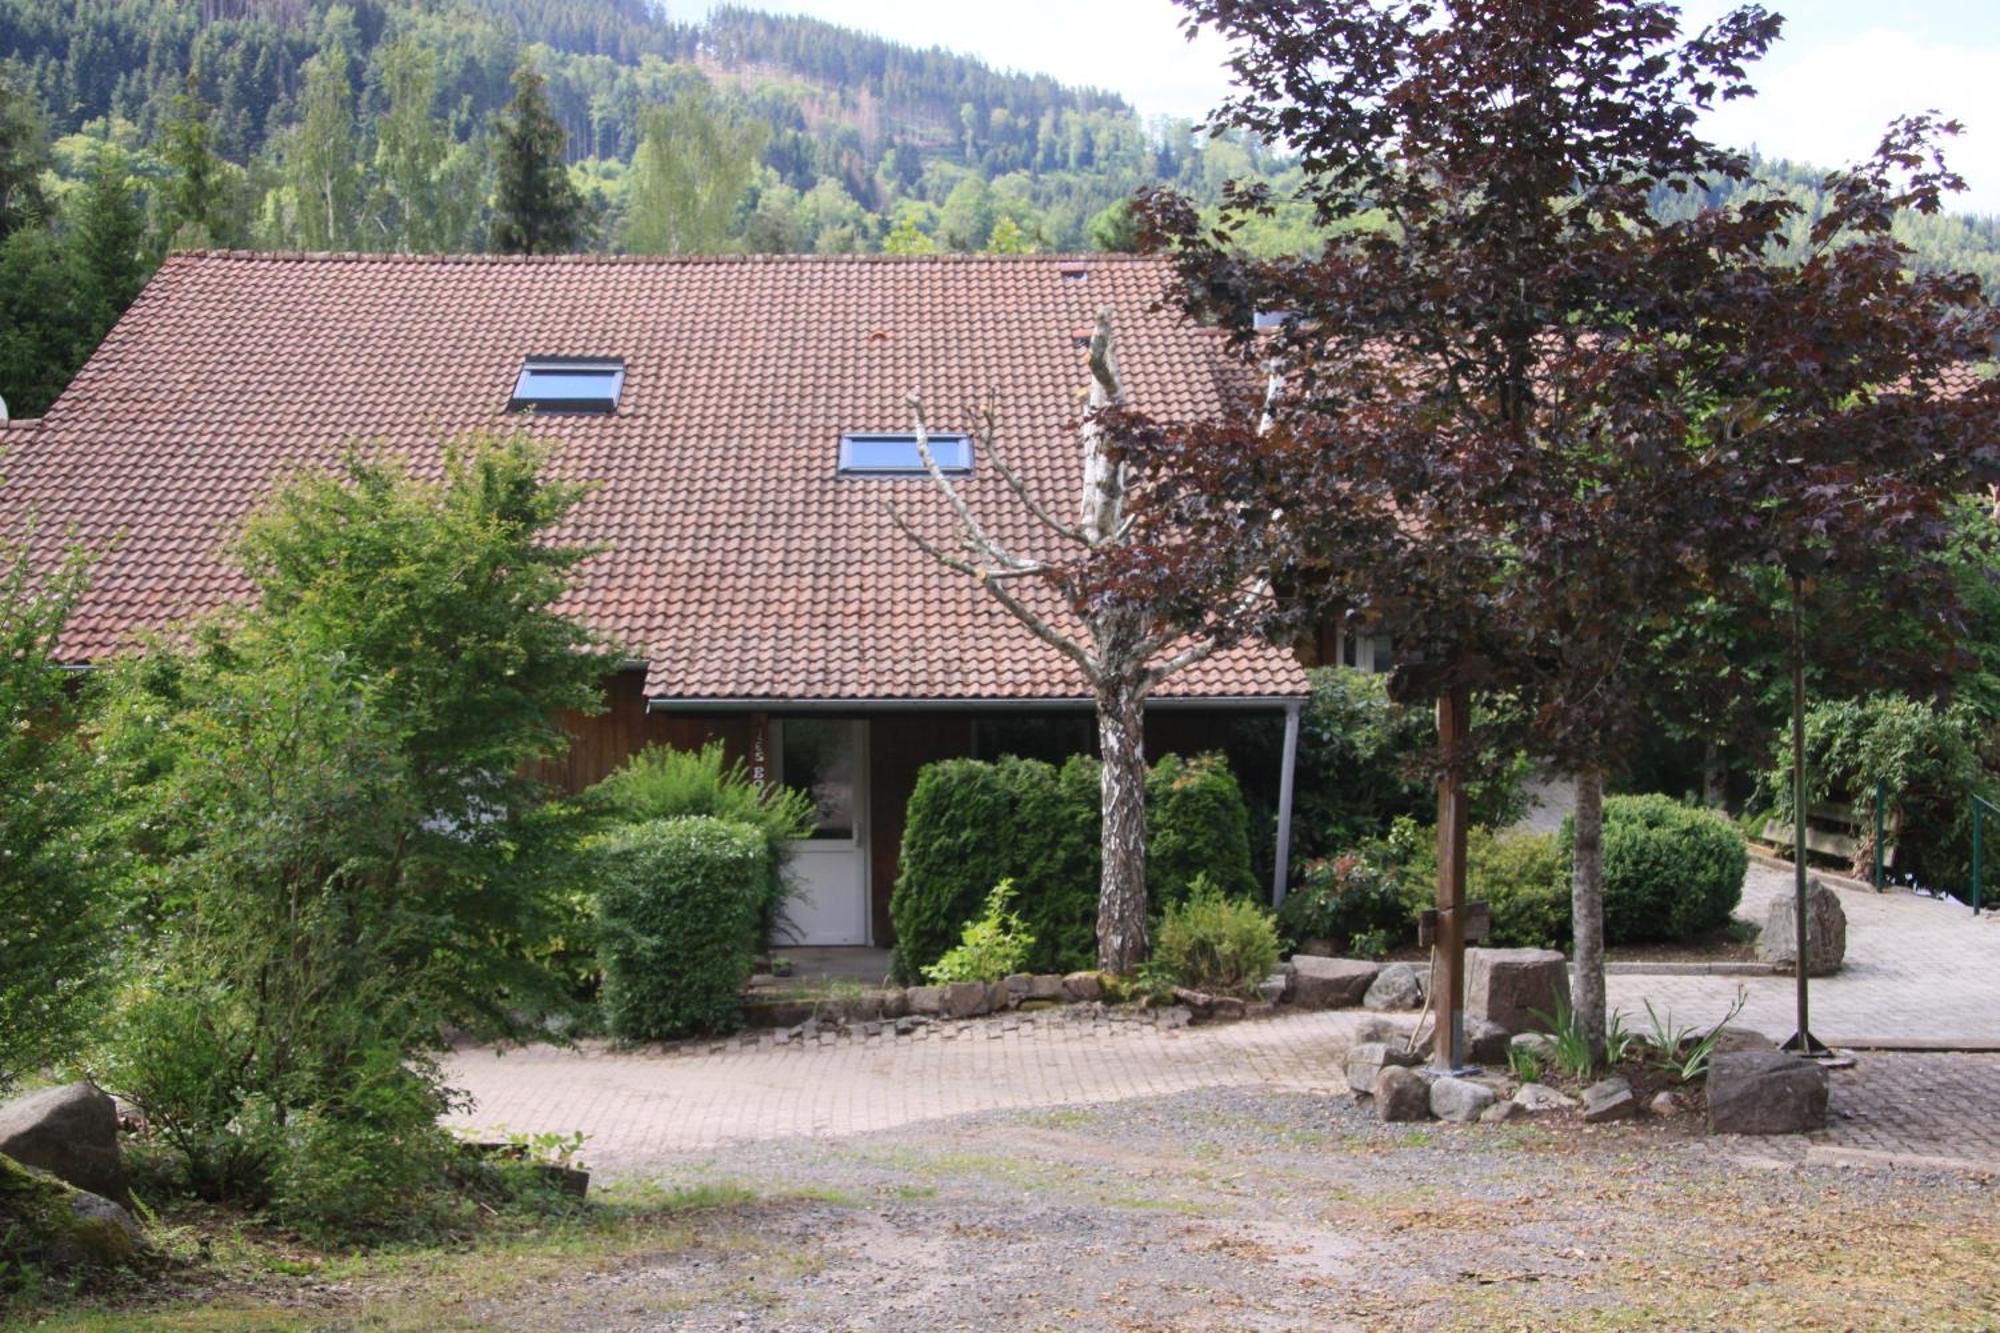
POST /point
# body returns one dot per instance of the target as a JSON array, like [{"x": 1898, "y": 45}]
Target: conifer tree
[
  {"x": 536, "y": 208},
  {"x": 194, "y": 210},
  {"x": 107, "y": 233}
]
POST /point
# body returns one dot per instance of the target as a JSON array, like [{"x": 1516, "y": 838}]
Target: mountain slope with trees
[{"x": 132, "y": 127}]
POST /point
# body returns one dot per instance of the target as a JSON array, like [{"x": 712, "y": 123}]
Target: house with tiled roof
[{"x": 743, "y": 422}]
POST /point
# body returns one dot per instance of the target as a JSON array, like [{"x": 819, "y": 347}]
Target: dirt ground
[{"x": 1218, "y": 1209}]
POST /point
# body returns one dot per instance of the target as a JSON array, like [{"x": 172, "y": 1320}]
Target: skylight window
[
  {"x": 889, "y": 454},
  {"x": 553, "y": 384}
]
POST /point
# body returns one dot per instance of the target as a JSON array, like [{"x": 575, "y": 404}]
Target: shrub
[
  {"x": 1216, "y": 943},
  {"x": 1196, "y": 824},
  {"x": 664, "y": 783},
  {"x": 993, "y": 947},
  {"x": 1522, "y": 877},
  {"x": 1671, "y": 871},
  {"x": 677, "y": 903},
  {"x": 1343, "y": 898},
  {"x": 972, "y": 824},
  {"x": 1927, "y": 759}
]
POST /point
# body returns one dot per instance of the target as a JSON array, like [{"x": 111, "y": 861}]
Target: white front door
[{"x": 828, "y": 757}]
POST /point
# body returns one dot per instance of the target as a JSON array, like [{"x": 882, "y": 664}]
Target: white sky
[{"x": 1844, "y": 69}]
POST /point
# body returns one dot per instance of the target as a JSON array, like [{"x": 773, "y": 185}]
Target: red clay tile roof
[{"x": 740, "y": 565}]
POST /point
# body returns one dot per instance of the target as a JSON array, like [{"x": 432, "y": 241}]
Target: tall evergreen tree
[
  {"x": 107, "y": 234},
  {"x": 536, "y": 207},
  {"x": 24, "y": 152},
  {"x": 194, "y": 208}
]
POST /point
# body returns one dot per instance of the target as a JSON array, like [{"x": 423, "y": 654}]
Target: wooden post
[{"x": 1448, "y": 1048}]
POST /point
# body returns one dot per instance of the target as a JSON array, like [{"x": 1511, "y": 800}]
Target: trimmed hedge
[
  {"x": 972, "y": 823},
  {"x": 1671, "y": 871},
  {"x": 678, "y": 904}
]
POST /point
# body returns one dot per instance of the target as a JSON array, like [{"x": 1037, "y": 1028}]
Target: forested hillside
[{"x": 132, "y": 127}]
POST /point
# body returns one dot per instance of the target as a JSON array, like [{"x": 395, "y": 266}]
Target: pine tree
[
  {"x": 24, "y": 152},
  {"x": 536, "y": 208},
  {"x": 194, "y": 209},
  {"x": 107, "y": 232}
]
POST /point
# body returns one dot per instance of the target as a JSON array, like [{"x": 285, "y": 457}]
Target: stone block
[
  {"x": 1730, "y": 1041},
  {"x": 1664, "y": 1104},
  {"x": 1509, "y": 986},
  {"x": 1019, "y": 987},
  {"x": 895, "y": 1003},
  {"x": 967, "y": 999},
  {"x": 1485, "y": 1043},
  {"x": 1401, "y": 1094},
  {"x": 1501, "y": 1112},
  {"x": 1460, "y": 1099},
  {"x": 1538, "y": 1097},
  {"x": 1046, "y": 986},
  {"x": 1539, "y": 1044},
  {"x": 1397, "y": 986},
  {"x": 1272, "y": 989},
  {"x": 1084, "y": 985},
  {"x": 71, "y": 1132},
  {"x": 926, "y": 999},
  {"x": 1765, "y": 1092},
  {"x": 1370, "y": 1058},
  {"x": 1330, "y": 983},
  {"x": 1826, "y": 932},
  {"x": 1608, "y": 1099}
]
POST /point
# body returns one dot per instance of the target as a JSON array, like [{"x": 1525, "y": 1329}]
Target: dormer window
[
  {"x": 894, "y": 454},
  {"x": 568, "y": 384}
]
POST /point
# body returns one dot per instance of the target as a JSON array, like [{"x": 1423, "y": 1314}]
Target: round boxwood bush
[
  {"x": 1671, "y": 871},
  {"x": 678, "y": 903}
]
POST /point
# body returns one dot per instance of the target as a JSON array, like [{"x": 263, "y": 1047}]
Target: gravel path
[{"x": 1250, "y": 1209}]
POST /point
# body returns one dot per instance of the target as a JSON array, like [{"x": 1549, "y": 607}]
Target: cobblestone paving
[
  {"x": 1917, "y": 1105},
  {"x": 1918, "y": 970},
  {"x": 640, "y": 1106}
]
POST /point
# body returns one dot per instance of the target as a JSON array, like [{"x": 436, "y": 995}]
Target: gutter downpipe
[{"x": 1288, "y": 765}]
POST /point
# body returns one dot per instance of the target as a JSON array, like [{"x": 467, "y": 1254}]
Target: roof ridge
[{"x": 392, "y": 257}]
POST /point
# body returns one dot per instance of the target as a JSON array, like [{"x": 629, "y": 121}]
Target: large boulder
[
  {"x": 1485, "y": 1043},
  {"x": 1330, "y": 983},
  {"x": 1510, "y": 986},
  {"x": 1367, "y": 1059},
  {"x": 1765, "y": 1092},
  {"x": 1460, "y": 1099},
  {"x": 70, "y": 1132},
  {"x": 1402, "y": 1094},
  {"x": 1397, "y": 986},
  {"x": 51, "y": 1222},
  {"x": 1826, "y": 932}
]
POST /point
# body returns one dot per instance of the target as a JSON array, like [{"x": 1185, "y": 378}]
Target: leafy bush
[
  {"x": 991, "y": 948},
  {"x": 369, "y": 1164},
  {"x": 1522, "y": 877},
  {"x": 1343, "y": 898},
  {"x": 1196, "y": 824},
  {"x": 1361, "y": 764},
  {"x": 1671, "y": 871},
  {"x": 678, "y": 903},
  {"x": 52, "y": 932},
  {"x": 973, "y": 823},
  {"x": 664, "y": 783},
  {"x": 1216, "y": 943},
  {"x": 324, "y": 828},
  {"x": 1927, "y": 759}
]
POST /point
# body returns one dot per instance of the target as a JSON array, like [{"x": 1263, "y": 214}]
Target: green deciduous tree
[
  {"x": 536, "y": 208},
  {"x": 53, "y": 952},
  {"x": 426, "y": 192},
  {"x": 322, "y": 166},
  {"x": 695, "y": 160}
]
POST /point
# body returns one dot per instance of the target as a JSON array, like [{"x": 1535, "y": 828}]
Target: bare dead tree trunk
[
  {"x": 1587, "y": 908},
  {"x": 1121, "y": 898},
  {"x": 1713, "y": 778}
]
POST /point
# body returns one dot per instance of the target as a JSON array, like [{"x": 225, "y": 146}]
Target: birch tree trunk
[
  {"x": 1121, "y": 899},
  {"x": 1587, "y": 909}
]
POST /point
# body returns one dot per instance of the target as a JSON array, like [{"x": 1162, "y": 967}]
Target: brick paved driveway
[
  {"x": 1918, "y": 971},
  {"x": 638, "y": 1106}
]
